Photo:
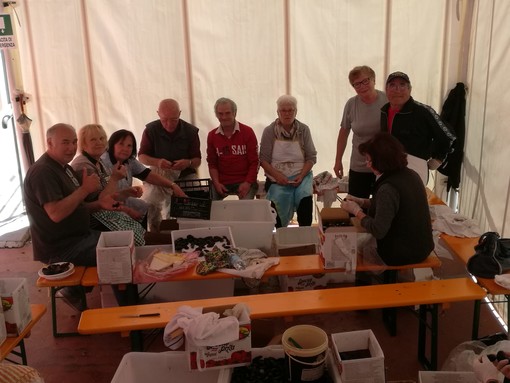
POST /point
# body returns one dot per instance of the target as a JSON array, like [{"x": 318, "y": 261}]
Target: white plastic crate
[
  {"x": 251, "y": 222},
  {"x": 164, "y": 367}
]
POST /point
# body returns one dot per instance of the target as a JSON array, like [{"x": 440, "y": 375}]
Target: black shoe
[{"x": 73, "y": 297}]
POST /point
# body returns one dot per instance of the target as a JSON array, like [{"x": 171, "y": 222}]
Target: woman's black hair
[{"x": 118, "y": 136}]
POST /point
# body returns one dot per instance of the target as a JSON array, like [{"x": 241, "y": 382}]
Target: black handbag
[{"x": 492, "y": 256}]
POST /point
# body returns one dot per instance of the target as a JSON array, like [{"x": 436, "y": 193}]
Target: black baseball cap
[{"x": 401, "y": 75}]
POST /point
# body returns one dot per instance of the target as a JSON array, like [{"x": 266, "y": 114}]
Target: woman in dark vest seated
[{"x": 398, "y": 213}]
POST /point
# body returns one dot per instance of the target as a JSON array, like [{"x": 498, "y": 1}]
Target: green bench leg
[
  {"x": 22, "y": 353},
  {"x": 56, "y": 334},
  {"x": 390, "y": 314},
  {"x": 428, "y": 364},
  {"x": 136, "y": 341},
  {"x": 476, "y": 319}
]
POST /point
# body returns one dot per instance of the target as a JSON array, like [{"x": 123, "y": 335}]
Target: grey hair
[
  {"x": 224, "y": 100},
  {"x": 286, "y": 99},
  {"x": 356, "y": 71},
  {"x": 53, "y": 129}
]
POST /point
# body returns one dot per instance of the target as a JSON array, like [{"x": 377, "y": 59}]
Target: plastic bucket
[{"x": 305, "y": 349}]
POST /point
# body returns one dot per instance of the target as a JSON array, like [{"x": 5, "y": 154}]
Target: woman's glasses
[{"x": 356, "y": 85}]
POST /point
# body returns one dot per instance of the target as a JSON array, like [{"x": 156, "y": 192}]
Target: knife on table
[{"x": 140, "y": 315}]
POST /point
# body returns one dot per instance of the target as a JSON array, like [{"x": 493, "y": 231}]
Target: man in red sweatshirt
[{"x": 232, "y": 154}]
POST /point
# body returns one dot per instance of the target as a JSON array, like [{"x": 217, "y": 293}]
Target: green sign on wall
[{"x": 6, "y": 32}]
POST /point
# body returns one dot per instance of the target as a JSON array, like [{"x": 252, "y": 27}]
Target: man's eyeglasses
[
  {"x": 170, "y": 119},
  {"x": 356, "y": 85},
  {"x": 287, "y": 111},
  {"x": 397, "y": 86}
]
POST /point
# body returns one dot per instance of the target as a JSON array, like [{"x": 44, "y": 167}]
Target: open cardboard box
[
  {"x": 16, "y": 305},
  {"x": 369, "y": 369},
  {"x": 114, "y": 253},
  {"x": 337, "y": 239},
  {"x": 231, "y": 354}
]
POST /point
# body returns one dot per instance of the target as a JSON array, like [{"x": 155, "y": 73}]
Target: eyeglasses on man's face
[
  {"x": 356, "y": 85},
  {"x": 397, "y": 86},
  {"x": 286, "y": 111},
  {"x": 169, "y": 118}
]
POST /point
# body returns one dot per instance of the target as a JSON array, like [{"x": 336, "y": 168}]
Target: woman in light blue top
[{"x": 122, "y": 150}]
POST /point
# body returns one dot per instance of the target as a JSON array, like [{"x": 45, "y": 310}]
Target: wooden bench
[
  {"x": 55, "y": 285},
  {"x": 428, "y": 294},
  {"x": 11, "y": 343},
  {"x": 303, "y": 265}
]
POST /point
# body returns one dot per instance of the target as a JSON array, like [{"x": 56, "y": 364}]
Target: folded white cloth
[
  {"x": 210, "y": 330},
  {"x": 203, "y": 329},
  {"x": 326, "y": 186},
  {"x": 447, "y": 221},
  {"x": 173, "y": 336}
]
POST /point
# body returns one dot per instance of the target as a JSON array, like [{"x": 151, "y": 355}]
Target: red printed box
[
  {"x": 16, "y": 305},
  {"x": 231, "y": 354}
]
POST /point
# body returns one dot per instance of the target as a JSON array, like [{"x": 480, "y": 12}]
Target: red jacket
[{"x": 236, "y": 158}]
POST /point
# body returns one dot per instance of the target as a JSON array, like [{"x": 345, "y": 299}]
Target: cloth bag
[{"x": 492, "y": 256}]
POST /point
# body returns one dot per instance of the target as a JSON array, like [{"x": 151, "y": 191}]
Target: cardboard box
[
  {"x": 114, "y": 253},
  {"x": 338, "y": 247},
  {"x": 296, "y": 240},
  {"x": 446, "y": 377},
  {"x": 161, "y": 367},
  {"x": 366, "y": 369},
  {"x": 16, "y": 305},
  {"x": 335, "y": 216},
  {"x": 235, "y": 353},
  {"x": 340, "y": 244},
  {"x": 251, "y": 222},
  {"x": 277, "y": 352},
  {"x": 301, "y": 241}
]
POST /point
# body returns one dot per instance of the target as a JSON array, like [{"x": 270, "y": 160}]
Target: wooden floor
[{"x": 95, "y": 358}]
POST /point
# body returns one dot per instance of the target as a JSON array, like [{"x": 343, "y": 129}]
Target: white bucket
[{"x": 305, "y": 349}]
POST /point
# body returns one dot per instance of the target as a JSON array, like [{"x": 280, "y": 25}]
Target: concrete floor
[{"x": 95, "y": 359}]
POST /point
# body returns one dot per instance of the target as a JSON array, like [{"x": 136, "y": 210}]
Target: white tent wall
[
  {"x": 112, "y": 61},
  {"x": 485, "y": 183}
]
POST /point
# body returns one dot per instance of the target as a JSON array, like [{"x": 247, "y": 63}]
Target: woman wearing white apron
[{"x": 287, "y": 155}]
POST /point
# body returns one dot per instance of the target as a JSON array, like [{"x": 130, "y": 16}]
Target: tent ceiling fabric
[{"x": 112, "y": 61}]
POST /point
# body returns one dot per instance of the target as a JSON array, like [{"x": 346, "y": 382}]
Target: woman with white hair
[{"x": 287, "y": 155}]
